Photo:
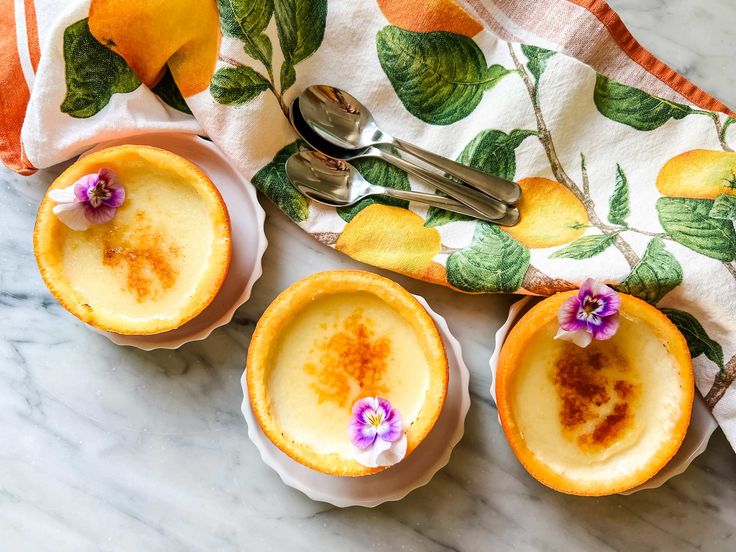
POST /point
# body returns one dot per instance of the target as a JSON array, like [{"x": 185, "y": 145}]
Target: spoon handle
[
  {"x": 503, "y": 190},
  {"x": 433, "y": 200},
  {"x": 487, "y": 206}
]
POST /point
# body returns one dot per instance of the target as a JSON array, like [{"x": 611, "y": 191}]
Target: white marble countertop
[{"x": 111, "y": 448}]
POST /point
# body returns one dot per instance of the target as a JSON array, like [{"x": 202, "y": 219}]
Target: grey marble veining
[
  {"x": 111, "y": 448},
  {"x": 694, "y": 37}
]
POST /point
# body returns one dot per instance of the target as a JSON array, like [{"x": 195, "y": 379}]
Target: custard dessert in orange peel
[
  {"x": 337, "y": 346},
  {"x": 155, "y": 262},
  {"x": 600, "y": 419}
]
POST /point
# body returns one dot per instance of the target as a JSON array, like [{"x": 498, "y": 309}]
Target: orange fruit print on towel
[
  {"x": 151, "y": 34},
  {"x": 93, "y": 73},
  {"x": 429, "y": 15}
]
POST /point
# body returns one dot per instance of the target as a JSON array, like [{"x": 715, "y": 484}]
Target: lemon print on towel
[
  {"x": 700, "y": 173},
  {"x": 551, "y": 215},
  {"x": 699, "y": 203},
  {"x": 394, "y": 238}
]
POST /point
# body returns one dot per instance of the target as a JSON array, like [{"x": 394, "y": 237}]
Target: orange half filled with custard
[
  {"x": 157, "y": 264},
  {"x": 329, "y": 340},
  {"x": 596, "y": 420}
]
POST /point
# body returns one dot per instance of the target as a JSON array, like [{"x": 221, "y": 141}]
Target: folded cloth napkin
[{"x": 636, "y": 188}]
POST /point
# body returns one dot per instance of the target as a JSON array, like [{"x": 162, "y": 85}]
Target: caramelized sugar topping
[
  {"x": 146, "y": 258},
  {"x": 351, "y": 361},
  {"x": 597, "y": 390}
]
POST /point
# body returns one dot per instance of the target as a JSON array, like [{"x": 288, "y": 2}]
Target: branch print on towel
[{"x": 300, "y": 26}]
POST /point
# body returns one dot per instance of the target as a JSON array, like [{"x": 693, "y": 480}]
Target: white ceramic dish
[
  {"x": 248, "y": 240},
  {"x": 399, "y": 480},
  {"x": 702, "y": 422}
]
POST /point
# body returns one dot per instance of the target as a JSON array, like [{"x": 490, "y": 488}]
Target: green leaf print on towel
[
  {"x": 697, "y": 339},
  {"x": 689, "y": 223},
  {"x": 491, "y": 151},
  {"x": 237, "y": 85},
  {"x": 655, "y": 275},
  {"x": 301, "y": 28},
  {"x": 247, "y": 20},
  {"x": 634, "y": 107},
  {"x": 300, "y": 25},
  {"x": 167, "y": 90},
  {"x": 618, "y": 206},
  {"x": 537, "y": 62},
  {"x": 380, "y": 173},
  {"x": 273, "y": 182},
  {"x": 537, "y": 59},
  {"x": 724, "y": 207},
  {"x": 585, "y": 247},
  {"x": 440, "y": 77},
  {"x": 93, "y": 73},
  {"x": 494, "y": 262}
]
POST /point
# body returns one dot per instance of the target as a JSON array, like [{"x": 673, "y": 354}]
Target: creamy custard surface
[
  {"x": 600, "y": 412},
  {"x": 149, "y": 261},
  {"x": 338, "y": 349}
]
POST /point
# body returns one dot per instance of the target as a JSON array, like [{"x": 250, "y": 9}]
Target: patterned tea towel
[{"x": 636, "y": 187}]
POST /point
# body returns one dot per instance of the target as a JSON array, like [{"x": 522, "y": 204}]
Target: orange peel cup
[{"x": 598, "y": 420}]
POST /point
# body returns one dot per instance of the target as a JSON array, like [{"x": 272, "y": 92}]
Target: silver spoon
[
  {"x": 487, "y": 207},
  {"x": 337, "y": 183},
  {"x": 342, "y": 120}
]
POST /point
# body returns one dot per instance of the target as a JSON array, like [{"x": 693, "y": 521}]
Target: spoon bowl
[
  {"x": 325, "y": 179},
  {"x": 482, "y": 206},
  {"x": 338, "y": 118},
  {"x": 337, "y": 183},
  {"x": 315, "y": 140}
]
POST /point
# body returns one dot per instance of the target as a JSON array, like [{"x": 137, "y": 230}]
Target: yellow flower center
[{"x": 375, "y": 419}]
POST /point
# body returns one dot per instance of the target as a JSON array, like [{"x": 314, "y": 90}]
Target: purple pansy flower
[
  {"x": 376, "y": 429},
  {"x": 592, "y": 314},
  {"x": 93, "y": 199},
  {"x": 374, "y": 418}
]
